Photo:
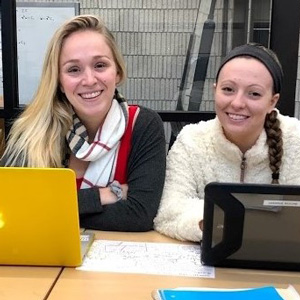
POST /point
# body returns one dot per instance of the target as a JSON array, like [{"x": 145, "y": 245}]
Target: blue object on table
[{"x": 262, "y": 293}]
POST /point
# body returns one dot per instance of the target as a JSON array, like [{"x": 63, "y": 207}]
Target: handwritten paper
[{"x": 146, "y": 258}]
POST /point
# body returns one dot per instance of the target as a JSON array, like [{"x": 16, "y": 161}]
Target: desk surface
[
  {"x": 74, "y": 284},
  {"x": 26, "y": 283}
]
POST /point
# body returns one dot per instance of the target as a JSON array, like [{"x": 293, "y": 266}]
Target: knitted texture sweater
[{"x": 202, "y": 154}]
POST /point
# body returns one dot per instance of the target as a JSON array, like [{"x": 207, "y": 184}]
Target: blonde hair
[{"x": 37, "y": 137}]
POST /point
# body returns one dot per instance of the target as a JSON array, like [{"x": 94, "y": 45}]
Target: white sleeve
[{"x": 180, "y": 208}]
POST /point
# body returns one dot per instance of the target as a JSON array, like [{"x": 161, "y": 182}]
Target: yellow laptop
[{"x": 39, "y": 222}]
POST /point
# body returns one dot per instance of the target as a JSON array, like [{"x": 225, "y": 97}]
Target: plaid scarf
[{"x": 102, "y": 152}]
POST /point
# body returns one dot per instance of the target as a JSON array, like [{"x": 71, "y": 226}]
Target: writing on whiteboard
[{"x": 36, "y": 25}]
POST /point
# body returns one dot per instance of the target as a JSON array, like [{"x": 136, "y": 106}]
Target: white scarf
[{"x": 102, "y": 152}]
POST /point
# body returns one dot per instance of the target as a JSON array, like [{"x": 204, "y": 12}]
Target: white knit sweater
[{"x": 201, "y": 154}]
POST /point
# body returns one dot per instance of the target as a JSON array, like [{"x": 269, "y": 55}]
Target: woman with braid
[
  {"x": 79, "y": 120},
  {"x": 248, "y": 141}
]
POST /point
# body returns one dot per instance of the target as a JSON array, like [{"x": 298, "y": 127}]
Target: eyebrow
[
  {"x": 226, "y": 81},
  {"x": 94, "y": 58}
]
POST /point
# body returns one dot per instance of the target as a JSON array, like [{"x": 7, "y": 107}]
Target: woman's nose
[
  {"x": 238, "y": 101},
  {"x": 89, "y": 77}
]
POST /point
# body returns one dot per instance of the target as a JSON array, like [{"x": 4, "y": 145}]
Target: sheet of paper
[{"x": 146, "y": 258}]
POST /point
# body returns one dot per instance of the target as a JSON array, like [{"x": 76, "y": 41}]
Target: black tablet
[{"x": 251, "y": 226}]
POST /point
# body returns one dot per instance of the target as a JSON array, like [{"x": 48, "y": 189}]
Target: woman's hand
[
  {"x": 201, "y": 225},
  {"x": 108, "y": 197}
]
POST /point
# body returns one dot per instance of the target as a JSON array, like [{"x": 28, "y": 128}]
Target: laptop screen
[{"x": 251, "y": 224}]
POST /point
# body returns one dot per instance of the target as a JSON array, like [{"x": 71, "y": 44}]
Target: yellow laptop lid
[{"x": 39, "y": 222}]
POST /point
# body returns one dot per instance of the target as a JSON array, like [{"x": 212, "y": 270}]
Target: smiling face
[
  {"x": 243, "y": 97},
  {"x": 88, "y": 75}
]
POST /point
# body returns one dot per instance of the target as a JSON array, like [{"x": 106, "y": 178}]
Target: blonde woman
[{"x": 79, "y": 120}]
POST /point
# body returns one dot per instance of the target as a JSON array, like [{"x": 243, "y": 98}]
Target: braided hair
[
  {"x": 274, "y": 141},
  {"x": 273, "y": 131}
]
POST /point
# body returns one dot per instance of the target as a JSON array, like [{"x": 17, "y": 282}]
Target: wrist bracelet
[{"x": 115, "y": 188}]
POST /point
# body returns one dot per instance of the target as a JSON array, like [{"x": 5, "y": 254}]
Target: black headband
[{"x": 263, "y": 56}]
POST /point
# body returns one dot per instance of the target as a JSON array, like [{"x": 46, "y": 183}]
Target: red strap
[
  {"x": 79, "y": 182},
  {"x": 125, "y": 147}
]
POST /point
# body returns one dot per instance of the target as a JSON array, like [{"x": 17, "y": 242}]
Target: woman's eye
[
  {"x": 255, "y": 94},
  {"x": 100, "y": 65},
  {"x": 227, "y": 89},
  {"x": 73, "y": 70}
]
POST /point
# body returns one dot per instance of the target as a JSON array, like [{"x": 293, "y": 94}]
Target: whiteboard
[{"x": 36, "y": 23}]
